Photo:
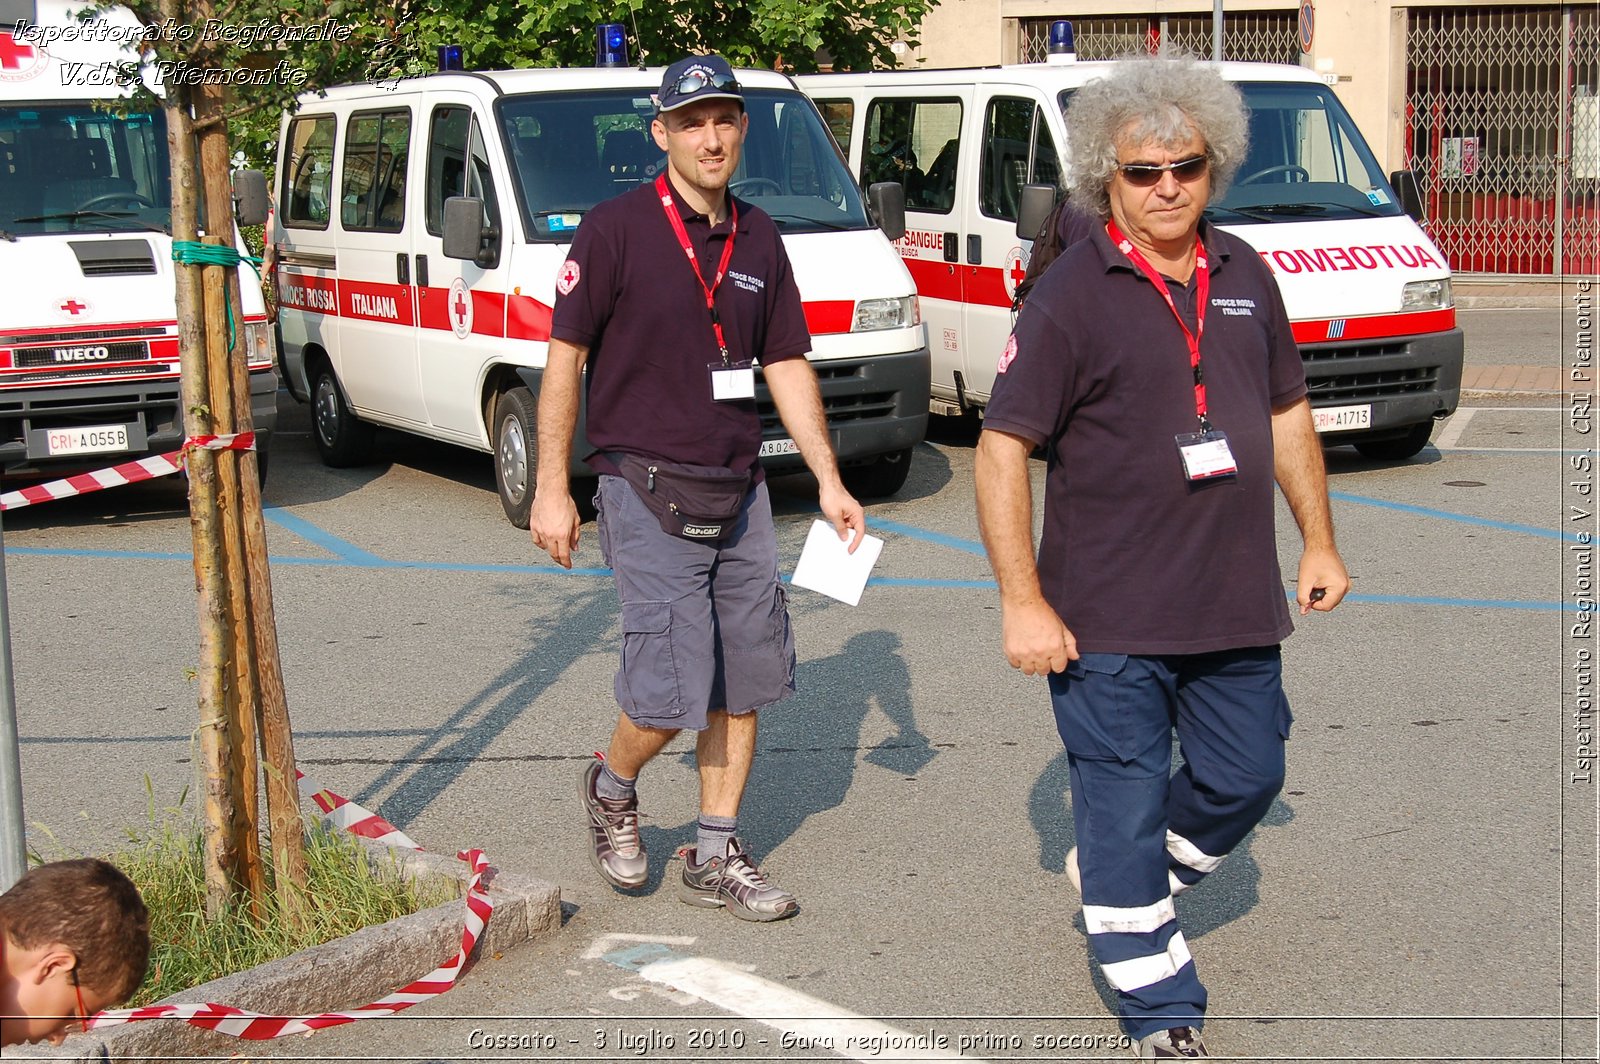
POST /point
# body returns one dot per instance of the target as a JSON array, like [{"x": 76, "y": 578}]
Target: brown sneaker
[
  {"x": 734, "y": 883},
  {"x": 615, "y": 849}
]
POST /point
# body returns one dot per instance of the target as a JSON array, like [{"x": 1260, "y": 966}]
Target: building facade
[{"x": 1495, "y": 107}]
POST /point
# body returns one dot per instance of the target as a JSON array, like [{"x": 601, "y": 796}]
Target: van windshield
[
  {"x": 1306, "y": 160},
  {"x": 572, "y": 150},
  {"x": 68, "y": 168}
]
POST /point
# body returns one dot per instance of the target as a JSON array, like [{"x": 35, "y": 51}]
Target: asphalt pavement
[{"x": 1424, "y": 888}]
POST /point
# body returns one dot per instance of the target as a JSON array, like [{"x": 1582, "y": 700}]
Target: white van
[
  {"x": 1366, "y": 289},
  {"x": 380, "y": 325},
  {"x": 88, "y": 329}
]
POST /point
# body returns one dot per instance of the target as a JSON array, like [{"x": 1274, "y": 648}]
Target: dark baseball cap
[{"x": 697, "y": 77}]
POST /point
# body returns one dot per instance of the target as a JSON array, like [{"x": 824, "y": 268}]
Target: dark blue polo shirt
[
  {"x": 1135, "y": 558},
  {"x": 638, "y": 308}
]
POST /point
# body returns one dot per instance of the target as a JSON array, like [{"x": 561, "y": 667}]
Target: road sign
[{"x": 1308, "y": 24}]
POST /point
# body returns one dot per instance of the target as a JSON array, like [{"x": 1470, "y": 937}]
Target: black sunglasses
[
  {"x": 1147, "y": 175},
  {"x": 696, "y": 81}
]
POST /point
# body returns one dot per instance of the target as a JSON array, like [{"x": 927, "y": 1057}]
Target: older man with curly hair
[{"x": 1155, "y": 365}]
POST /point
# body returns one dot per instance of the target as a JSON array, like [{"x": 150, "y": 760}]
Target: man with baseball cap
[{"x": 672, "y": 293}]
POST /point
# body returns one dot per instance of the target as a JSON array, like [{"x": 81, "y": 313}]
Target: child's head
[{"x": 76, "y": 940}]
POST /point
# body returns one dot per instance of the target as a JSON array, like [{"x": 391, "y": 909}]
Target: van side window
[
  {"x": 1046, "y": 161},
  {"x": 376, "y": 154},
  {"x": 1007, "y": 135},
  {"x": 917, "y": 143},
  {"x": 308, "y": 175},
  {"x": 840, "y": 116},
  {"x": 453, "y": 138}
]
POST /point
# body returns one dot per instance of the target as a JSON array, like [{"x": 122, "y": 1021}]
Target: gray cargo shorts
[{"x": 703, "y": 626}]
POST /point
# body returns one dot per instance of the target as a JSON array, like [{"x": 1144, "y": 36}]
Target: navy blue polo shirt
[
  {"x": 639, "y": 309},
  {"x": 1136, "y": 558}
]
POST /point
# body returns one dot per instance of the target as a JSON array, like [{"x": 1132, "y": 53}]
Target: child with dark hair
[{"x": 74, "y": 940}]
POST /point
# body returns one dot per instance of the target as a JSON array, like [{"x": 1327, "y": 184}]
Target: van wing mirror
[
  {"x": 1409, "y": 191},
  {"x": 887, "y": 200},
  {"x": 1034, "y": 206},
  {"x": 465, "y": 235},
  {"x": 250, "y": 197}
]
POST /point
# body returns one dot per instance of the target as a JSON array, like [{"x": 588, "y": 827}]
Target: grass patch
[{"x": 166, "y": 863}]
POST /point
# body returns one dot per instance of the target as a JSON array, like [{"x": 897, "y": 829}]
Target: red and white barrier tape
[
  {"x": 225, "y": 1019},
  {"x": 128, "y": 473}
]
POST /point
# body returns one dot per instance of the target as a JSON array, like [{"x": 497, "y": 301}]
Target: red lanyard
[
  {"x": 710, "y": 290},
  {"x": 1202, "y": 290}
]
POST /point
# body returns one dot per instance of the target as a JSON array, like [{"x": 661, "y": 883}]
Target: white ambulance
[
  {"x": 391, "y": 314},
  {"x": 1366, "y": 289},
  {"x": 88, "y": 327}
]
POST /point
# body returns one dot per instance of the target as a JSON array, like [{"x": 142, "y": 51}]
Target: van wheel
[
  {"x": 1398, "y": 450},
  {"x": 883, "y": 476},
  {"x": 342, "y": 439},
  {"x": 516, "y": 453}
]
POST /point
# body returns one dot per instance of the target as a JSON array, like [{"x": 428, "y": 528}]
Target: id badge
[
  {"x": 730, "y": 381},
  {"x": 1206, "y": 455}
]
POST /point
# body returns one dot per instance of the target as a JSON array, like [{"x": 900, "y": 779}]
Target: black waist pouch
[{"x": 702, "y": 507}]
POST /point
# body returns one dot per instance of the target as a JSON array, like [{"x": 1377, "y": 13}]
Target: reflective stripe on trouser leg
[
  {"x": 1232, "y": 722},
  {"x": 1127, "y": 911}
]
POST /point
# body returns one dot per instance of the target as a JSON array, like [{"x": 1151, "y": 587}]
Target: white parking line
[{"x": 1456, "y": 426}]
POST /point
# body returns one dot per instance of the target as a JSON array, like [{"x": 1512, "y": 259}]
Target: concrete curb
[{"x": 342, "y": 974}]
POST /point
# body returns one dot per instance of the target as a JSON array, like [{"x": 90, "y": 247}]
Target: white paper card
[
  {"x": 1209, "y": 459},
  {"x": 827, "y": 566}
]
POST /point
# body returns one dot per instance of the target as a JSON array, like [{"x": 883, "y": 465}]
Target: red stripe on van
[
  {"x": 825, "y": 316},
  {"x": 935, "y": 279},
  {"x": 308, "y": 292},
  {"x": 489, "y": 313},
  {"x": 374, "y": 301},
  {"x": 527, "y": 318},
  {"x": 1375, "y": 327},
  {"x": 432, "y": 308}
]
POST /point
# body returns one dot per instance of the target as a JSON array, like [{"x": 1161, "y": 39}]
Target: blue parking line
[
  {"x": 1446, "y": 515},
  {"x": 339, "y": 548},
  {"x": 940, "y": 538}
]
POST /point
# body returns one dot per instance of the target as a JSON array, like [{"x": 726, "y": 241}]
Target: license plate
[
  {"x": 1342, "y": 418},
  {"x": 772, "y": 447},
  {"x": 94, "y": 439}
]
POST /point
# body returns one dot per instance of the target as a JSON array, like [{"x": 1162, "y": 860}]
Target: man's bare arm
[
  {"x": 553, "y": 522},
  {"x": 793, "y": 384},
  {"x": 1303, "y": 479}
]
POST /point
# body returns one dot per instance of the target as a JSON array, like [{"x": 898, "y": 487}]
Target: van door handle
[
  {"x": 402, "y": 268},
  {"x": 974, "y": 249},
  {"x": 422, "y": 271},
  {"x": 950, "y": 253}
]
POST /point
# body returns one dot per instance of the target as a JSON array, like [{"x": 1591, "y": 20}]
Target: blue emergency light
[
  {"x": 611, "y": 45},
  {"x": 1062, "y": 49},
  {"x": 450, "y": 57}
]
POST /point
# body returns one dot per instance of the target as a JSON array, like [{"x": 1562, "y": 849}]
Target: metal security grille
[
  {"x": 1256, "y": 36},
  {"x": 1503, "y": 131}
]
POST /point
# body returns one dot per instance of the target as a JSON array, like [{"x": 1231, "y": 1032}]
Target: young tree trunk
[
  {"x": 219, "y": 786},
  {"x": 263, "y": 706}
]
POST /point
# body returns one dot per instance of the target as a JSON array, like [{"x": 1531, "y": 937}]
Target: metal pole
[
  {"x": 1216, "y": 31},
  {"x": 13, "y": 843}
]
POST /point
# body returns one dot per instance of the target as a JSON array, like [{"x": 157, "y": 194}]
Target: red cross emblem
[
  {"x": 461, "y": 307},
  {"x": 1017, "y": 272},
  {"x": 567, "y": 279},
  {"x": 73, "y": 307},
  {"x": 12, "y": 53}
]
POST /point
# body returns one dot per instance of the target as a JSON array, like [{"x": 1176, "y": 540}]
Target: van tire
[
  {"x": 516, "y": 453},
  {"x": 882, "y": 477},
  {"x": 343, "y": 439},
  {"x": 1400, "y": 448}
]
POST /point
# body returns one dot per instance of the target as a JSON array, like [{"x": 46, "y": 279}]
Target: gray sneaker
[
  {"x": 735, "y": 883},
  {"x": 1177, "y": 1043},
  {"x": 615, "y": 850}
]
